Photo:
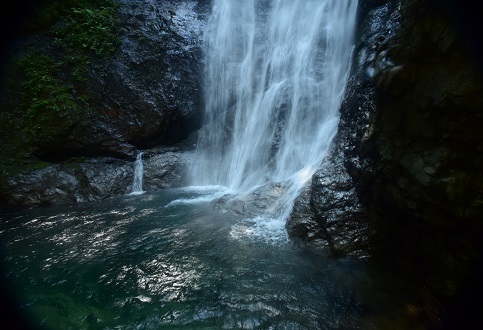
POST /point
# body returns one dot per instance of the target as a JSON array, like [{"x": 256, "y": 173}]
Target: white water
[
  {"x": 200, "y": 194},
  {"x": 275, "y": 75},
  {"x": 137, "y": 185}
]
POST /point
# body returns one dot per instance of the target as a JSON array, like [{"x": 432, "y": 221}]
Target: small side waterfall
[
  {"x": 137, "y": 185},
  {"x": 275, "y": 75}
]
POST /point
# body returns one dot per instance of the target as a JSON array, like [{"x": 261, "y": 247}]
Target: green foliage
[
  {"x": 47, "y": 93},
  {"x": 51, "y": 12},
  {"x": 88, "y": 29},
  {"x": 84, "y": 29},
  {"x": 49, "y": 98},
  {"x": 46, "y": 102}
]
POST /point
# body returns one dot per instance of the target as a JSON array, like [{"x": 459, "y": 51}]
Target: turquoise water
[{"x": 143, "y": 262}]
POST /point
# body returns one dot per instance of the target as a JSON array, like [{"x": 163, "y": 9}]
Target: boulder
[{"x": 93, "y": 179}]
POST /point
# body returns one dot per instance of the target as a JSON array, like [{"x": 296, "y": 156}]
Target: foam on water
[
  {"x": 268, "y": 230},
  {"x": 202, "y": 194}
]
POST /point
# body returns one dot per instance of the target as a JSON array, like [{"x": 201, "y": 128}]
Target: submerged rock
[{"x": 262, "y": 200}]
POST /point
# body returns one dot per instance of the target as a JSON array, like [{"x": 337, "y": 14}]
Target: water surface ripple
[{"x": 143, "y": 262}]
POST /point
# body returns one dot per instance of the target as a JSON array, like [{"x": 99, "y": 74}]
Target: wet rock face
[
  {"x": 331, "y": 213},
  {"x": 150, "y": 92},
  {"x": 410, "y": 135},
  {"x": 263, "y": 200},
  {"x": 95, "y": 179},
  {"x": 165, "y": 168},
  {"x": 428, "y": 154},
  {"x": 147, "y": 93},
  {"x": 70, "y": 184},
  {"x": 327, "y": 215},
  {"x": 428, "y": 134}
]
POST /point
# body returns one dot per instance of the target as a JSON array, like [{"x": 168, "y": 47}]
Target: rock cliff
[
  {"x": 409, "y": 155},
  {"x": 145, "y": 93}
]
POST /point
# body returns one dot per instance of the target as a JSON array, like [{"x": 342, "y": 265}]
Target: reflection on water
[{"x": 136, "y": 263}]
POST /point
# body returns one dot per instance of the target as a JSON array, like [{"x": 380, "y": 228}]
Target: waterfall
[
  {"x": 137, "y": 184},
  {"x": 275, "y": 75}
]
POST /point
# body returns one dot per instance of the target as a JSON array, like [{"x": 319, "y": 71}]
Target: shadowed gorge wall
[
  {"x": 428, "y": 154},
  {"x": 410, "y": 140}
]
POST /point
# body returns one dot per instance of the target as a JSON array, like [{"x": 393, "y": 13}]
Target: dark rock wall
[
  {"x": 427, "y": 185},
  {"x": 150, "y": 92},
  {"x": 144, "y": 95},
  {"x": 335, "y": 205},
  {"x": 328, "y": 216},
  {"x": 87, "y": 180},
  {"x": 411, "y": 142}
]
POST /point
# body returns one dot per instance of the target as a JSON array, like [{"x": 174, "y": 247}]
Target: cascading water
[
  {"x": 275, "y": 76},
  {"x": 137, "y": 185},
  {"x": 276, "y": 72}
]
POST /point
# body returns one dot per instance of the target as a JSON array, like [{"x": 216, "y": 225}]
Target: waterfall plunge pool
[{"x": 161, "y": 260}]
